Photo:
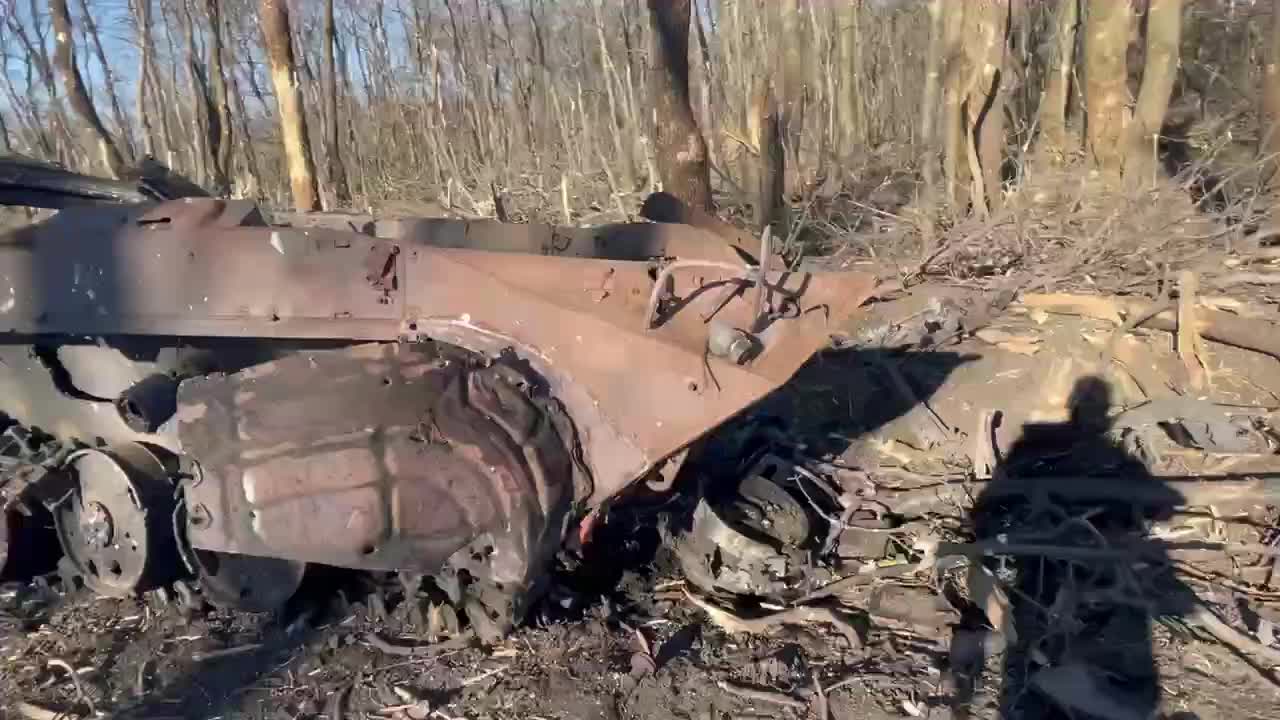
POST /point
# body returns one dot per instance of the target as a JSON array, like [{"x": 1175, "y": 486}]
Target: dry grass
[{"x": 1066, "y": 228}]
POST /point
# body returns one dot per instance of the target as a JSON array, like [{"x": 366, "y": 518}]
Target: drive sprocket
[{"x": 115, "y": 524}]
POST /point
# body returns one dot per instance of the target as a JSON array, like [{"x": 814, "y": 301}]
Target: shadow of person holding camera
[{"x": 1071, "y": 584}]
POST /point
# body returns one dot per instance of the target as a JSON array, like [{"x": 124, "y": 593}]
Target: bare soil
[
  {"x": 616, "y": 637},
  {"x": 576, "y": 658},
  {"x": 140, "y": 658}
]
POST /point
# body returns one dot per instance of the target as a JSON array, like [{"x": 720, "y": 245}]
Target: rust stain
[{"x": 429, "y": 388}]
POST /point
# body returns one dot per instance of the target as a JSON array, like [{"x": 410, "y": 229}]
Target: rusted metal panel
[
  {"x": 196, "y": 212},
  {"x": 640, "y": 388},
  {"x": 581, "y": 323},
  {"x": 405, "y": 458},
  {"x": 168, "y": 279},
  {"x": 621, "y": 241}
]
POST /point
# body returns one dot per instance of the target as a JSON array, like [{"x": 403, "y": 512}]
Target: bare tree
[
  {"x": 792, "y": 41},
  {"x": 1160, "y": 69},
  {"x": 64, "y": 58},
  {"x": 955, "y": 77},
  {"x": 987, "y": 23},
  {"x": 975, "y": 40},
  {"x": 849, "y": 65},
  {"x": 6, "y": 146},
  {"x": 681, "y": 150},
  {"x": 337, "y": 171},
  {"x": 515, "y": 92},
  {"x": 930, "y": 99},
  {"x": 108, "y": 79},
  {"x": 204, "y": 118},
  {"x": 220, "y": 127},
  {"x": 986, "y": 103},
  {"x": 1057, "y": 85},
  {"x": 54, "y": 126},
  {"x": 1106, "y": 92},
  {"x": 771, "y": 204},
  {"x": 142, "y": 30},
  {"x": 621, "y": 148},
  {"x": 293, "y": 121}
]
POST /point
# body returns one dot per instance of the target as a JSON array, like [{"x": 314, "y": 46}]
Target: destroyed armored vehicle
[{"x": 192, "y": 393}]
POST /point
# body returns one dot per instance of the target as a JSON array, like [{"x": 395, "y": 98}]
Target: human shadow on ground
[{"x": 1076, "y": 632}]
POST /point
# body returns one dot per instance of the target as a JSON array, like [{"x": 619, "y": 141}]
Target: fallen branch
[
  {"x": 931, "y": 433},
  {"x": 791, "y": 616},
  {"x": 1148, "y": 549},
  {"x": 765, "y": 696},
  {"x": 1247, "y": 278},
  {"x": 484, "y": 676},
  {"x": 1190, "y": 345},
  {"x": 1090, "y": 306},
  {"x": 819, "y": 697},
  {"x": 1204, "y": 618},
  {"x": 1224, "y": 493},
  {"x": 75, "y": 680},
  {"x": 863, "y": 578},
  {"x": 1247, "y": 333},
  {"x": 225, "y": 652},
  {"x": 1177, "y": 409},
  {"x": 455, "y": 643}
]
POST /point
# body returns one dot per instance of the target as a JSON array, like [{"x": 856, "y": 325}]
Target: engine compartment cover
[{"x": 383, "y": 456}]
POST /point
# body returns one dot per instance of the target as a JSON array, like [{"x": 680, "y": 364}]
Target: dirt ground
[
  {"x": 135, "y": 659},
  {"x": 617, "y": 636},
  {"x": 901, "y": 420}
]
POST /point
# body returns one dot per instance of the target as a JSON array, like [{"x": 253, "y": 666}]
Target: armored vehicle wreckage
[{"x": 193, "y": 394}]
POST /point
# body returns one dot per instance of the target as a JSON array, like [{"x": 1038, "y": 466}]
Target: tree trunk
[
  {"x": 293, "y": 120},
  {"x": 955, "y": 73},
  {"x": 142, "y": 97},
  {"x": 1106, "y": 91},
  {"x": 6, "y": 147},
  {"x": 1270, "y": 130},
  {"x": 108, "y": 79},
  {"x": 204, "y": 116},
  {"x": 38, "y": 56},
  {"x": 791, "y": 39},
  {"x": 149, "y": 90},
  {"x": 1160, "y": 69},
  {"x": 771, "y": 203},
  {"x": 617, "y": 128},
  {"x": 220, "y": 127},
  {"x": 849, "y": 66},
  {"x": 706, "y": 82},
  {"x": 337, "y": 171},
  {"x": 178, "y": 127},
  {"x": 1057, "y": 84},
  {"x": 248, "y": 184},
  {"x": 681, "y": 150},
  {"x": 930, "y": 100},
  {"x": 988, "y": 22},
  {"x": 64, "y": 58}
]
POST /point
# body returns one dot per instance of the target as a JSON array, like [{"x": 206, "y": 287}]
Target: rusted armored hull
[{"x": 391, "y": 404}]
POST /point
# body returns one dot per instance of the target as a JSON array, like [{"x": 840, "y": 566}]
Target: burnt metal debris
[
  {"x": 751, "y": 540},
  {"x": 441, "y": 398}
]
